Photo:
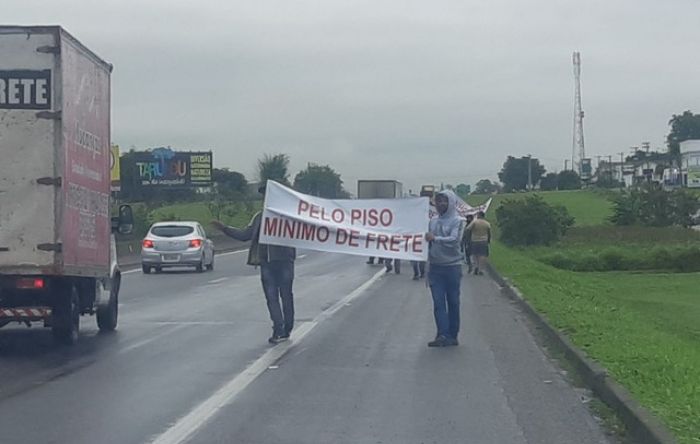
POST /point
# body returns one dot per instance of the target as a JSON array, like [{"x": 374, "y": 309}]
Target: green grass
[
  {"x": 587, "y": 207},
  {"x": 633, "y": 235},
  {"x": 238, "y": 215},
  {"x": 644, "y": 328}
]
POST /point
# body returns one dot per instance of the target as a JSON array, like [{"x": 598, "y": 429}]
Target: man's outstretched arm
[{"x": 241, "y": 234}]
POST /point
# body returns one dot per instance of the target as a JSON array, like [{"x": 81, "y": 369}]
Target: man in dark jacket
[{"x": 276, "y": 272}]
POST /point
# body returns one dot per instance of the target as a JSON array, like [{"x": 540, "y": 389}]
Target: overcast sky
[{"x": 415, "y": 90}]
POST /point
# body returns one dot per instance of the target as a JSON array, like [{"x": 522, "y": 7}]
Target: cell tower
[{"x": 578, "y": 151}]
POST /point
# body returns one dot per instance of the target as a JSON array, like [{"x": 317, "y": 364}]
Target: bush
[
  {"x": 588, "y": 262},
  {"x": 532, "y": 221},
  {"x": 678, "y": 259},
  {"x": 612, "y": 259},
  {"x": 141, "y": 220},
  {"x": 686, "y": 260},
  {"x": 652, "y": 206},
  {"x": 559, "y": 260}
]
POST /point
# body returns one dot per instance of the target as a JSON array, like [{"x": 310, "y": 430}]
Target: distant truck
[
  {"x": 57, "y": 252},
  {"x": 379, "y": 189},
  {"x": 427, "y": 191}
]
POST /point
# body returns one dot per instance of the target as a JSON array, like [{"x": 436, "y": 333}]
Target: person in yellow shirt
[{"x": 480, "y": 231}]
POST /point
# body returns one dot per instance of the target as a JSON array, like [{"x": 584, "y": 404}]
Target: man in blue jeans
[
  {"x": 276, "y": 272},
  {"x": 445, "y": 271}
]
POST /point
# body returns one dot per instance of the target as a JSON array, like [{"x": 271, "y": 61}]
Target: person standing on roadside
[
  {"x": 396, "y": 267},
  {"x": 418, "y": 269},
  {"x": 445, "y": 271},
  {"x": 276, "y": 272},
  {"x": 467, "y": 243},
  {"x": 480, "y": 231},
  {"x": 370, "y": 260}
]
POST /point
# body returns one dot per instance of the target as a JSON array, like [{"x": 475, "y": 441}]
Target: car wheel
[
  {"x": 146, "y": 269},
  {"x": 159, "y": 270},
  {"x": 210, "y": 267},
  {"x": 200, "y": 266}
]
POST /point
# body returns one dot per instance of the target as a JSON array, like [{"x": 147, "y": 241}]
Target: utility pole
[
  {"x": 566, "y": 164},
  {"x": 529, "y": 172},
  {"x": 578, "y": 147},
  {"x": 622, "y": 161}
]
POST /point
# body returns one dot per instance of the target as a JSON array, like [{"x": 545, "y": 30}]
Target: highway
[{"x": 190, "y": 363}]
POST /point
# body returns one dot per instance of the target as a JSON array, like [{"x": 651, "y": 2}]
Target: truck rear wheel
[
  {"x": 107, "y": 316},
  {"x": 65, "y": 323}
]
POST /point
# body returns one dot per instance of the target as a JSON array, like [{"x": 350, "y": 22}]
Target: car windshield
[{"x": 172, "y": 230}]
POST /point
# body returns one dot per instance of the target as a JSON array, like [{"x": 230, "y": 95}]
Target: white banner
[
  {"x": 388, "y": 228},
  {"x": 464, "y": 209}
]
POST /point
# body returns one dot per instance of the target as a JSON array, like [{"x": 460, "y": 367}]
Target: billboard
[
  {"x": 693, "y": 176},
  {"x": 163, "y": 167},
  {"x": 586, "y": 169},
  {"x": 114, "y": 170}
]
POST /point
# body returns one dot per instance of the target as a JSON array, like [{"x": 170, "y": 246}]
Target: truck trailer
[
  {"x": 379, "y": 189},
  {"x": 57, "y": 247}
]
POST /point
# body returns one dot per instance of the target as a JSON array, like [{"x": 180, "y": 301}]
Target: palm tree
[{"x": 274, "y": 167}]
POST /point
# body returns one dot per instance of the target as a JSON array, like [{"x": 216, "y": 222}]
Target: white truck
[
  {"x": 379, "y": 189},
  {"x": 57, "y": 252}
]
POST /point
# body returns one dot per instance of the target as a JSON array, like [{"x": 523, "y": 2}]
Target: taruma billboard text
[{"x": 163, "y": 167}]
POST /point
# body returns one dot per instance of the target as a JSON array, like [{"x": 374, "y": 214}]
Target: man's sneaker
[
  {"x": 389, "y": 268},
  {"x": 451, "y": 342},
  {"x": 286, "y": 335},
  {"x": 440, "y": 341},
  {"x": 415, "y": 277},
  {"x": 276, "y": 339}
]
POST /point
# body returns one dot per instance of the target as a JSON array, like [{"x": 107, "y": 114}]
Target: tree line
[{"x": 519, "y": 174}]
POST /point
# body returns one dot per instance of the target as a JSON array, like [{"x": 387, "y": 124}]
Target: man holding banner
[
  {"x": 445, "y": 271},
  {"x": 276, "y": 272}
]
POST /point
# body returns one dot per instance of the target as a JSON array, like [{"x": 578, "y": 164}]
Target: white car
[{"x": 176, "y": 244}]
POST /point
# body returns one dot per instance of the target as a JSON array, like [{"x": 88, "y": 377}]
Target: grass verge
[{"x": 644, "y": 328}]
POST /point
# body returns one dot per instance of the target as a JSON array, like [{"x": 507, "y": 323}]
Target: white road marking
[
  {"x": 231, "y": 253},
  {"x": 301, "y": 256},
  {"x": 186, "y": 426},
  {"x": 218, "y": 281},
  {"x": 347, "y": 299},
  {"x": 193, "y": 322}
]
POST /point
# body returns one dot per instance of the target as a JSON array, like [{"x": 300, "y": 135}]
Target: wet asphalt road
[{"x": 190, "y": 363}]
